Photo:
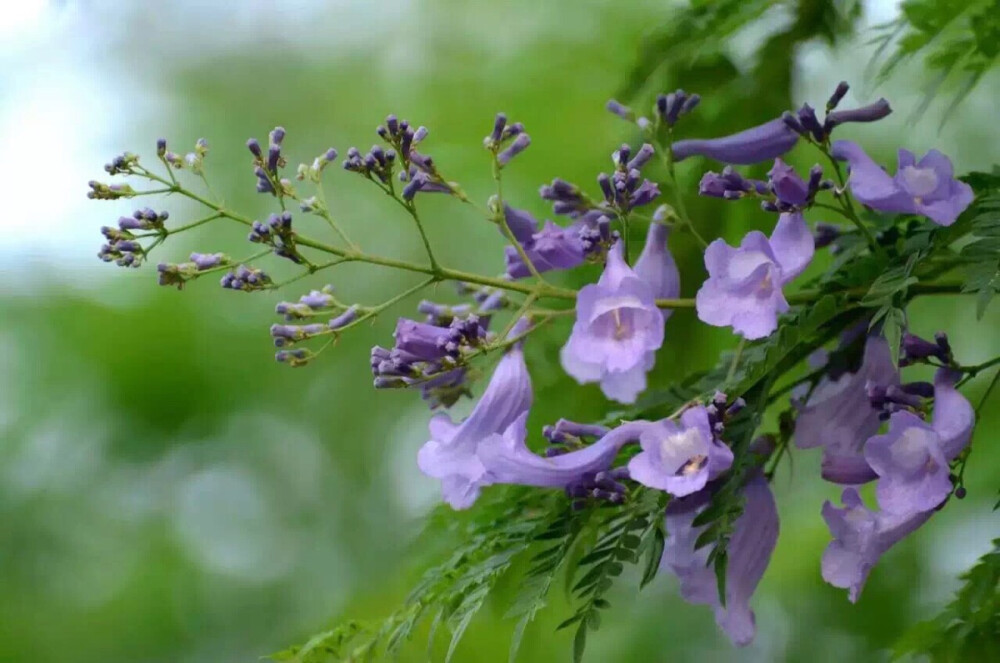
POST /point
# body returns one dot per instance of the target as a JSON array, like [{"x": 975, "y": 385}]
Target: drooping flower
[
  {"x": 618, "y": 326},
  {"x": 753, "y": 539},
  {"x": 680, "y": 458},
  {"x": 860, "y": 538},
  {"x": 926, "y": 187},
  {"x": 452, "y": 453},
  {"x": 839, "y": 416},
  {"x": 911, "y": 458},
  {"x": 744, "y": 284},
  {"x": 552, "y": 247},
  {"x": 761, "y": 143}
]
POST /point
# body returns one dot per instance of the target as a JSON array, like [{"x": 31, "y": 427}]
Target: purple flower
[
  {"x": 911, "y": 459},
  {"x": 790, "y": 189},
  {"x": 680, "y": 458},
  {"x": 840, "y": 418},
  {"x": 761, "y": 143},
  {"x": 753, "y": 539},
  {"x": 744, "y": 284},
  {"x": 618, "y": 327},
  {"x": 452, "y": 453},
  {"x": 729, "y": 184},
  {"x": 925, "y": 187},
  {"x": 860, "y": 537}
]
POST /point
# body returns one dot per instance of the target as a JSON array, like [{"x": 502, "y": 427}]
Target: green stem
[
  {"x": 666, "y": 152},
  {"x": 845, "y": 202},
  {"x": 325, "y": 213},
  {"x": 736, "y": 360}
]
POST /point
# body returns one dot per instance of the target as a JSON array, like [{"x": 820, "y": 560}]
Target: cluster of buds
[
  {"x": 805, "y": 123},
  {"x": 597, "y": 238},
  {"x": 567, "y": 199},
  {"x": 199, "y": 263},
  {"x": 720, "y": 410},
  {"x": 247, "y": 279},
  {"x": 121, "y": 164},
  {"x": 915, "y": 349},
  {"x": 625, "y": 188},
  {"x": 377, "y": 163},
  {"x": 122, "y": 248},
  {"x": 403, "y": 138},
  {"x": 790, "y": 192},
  {"x": 671, "y": 106},
  {"x": 309, "y": 305},
  {"x": 266, "y": 167},
  {"x": 143, "y": 219},
  {"x": 886, "y": 399},
  {"x": 605, "y": 486},
  {"x": 101, "y": 191},
  {"x": 430, "y": 356},
  {"x": 730, "y": 185},
  {"x": 277, "y": 233},
  {"x": 313, "y": 172},
  {"x": 566, "y": 436},
  {"x": 506, "y": 141},
  {"x": 826, "y": 234}
]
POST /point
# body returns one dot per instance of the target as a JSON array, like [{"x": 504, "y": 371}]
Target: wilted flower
[
  {"x": 680, "y": 458},
  {"x": 926, "y": 187},
  {"x": 749, "y": 551},
  {"x": 743, "y": 290}
]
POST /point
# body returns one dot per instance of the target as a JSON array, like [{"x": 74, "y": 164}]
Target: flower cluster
[{"x": 706, "y": 463}]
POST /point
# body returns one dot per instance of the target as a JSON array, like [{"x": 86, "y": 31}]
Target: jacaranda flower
[
  {"x": 911, "y": 459},
  {"x": 451, "y": 454},
  {"x": 839, "y": 417},
  {"x": 618, "y": 326},
  {"x": 743, "y": 290},
  {"x": 680, "y": 458},
  {"x": 760, "y": 143},
  {"x": 552, "y": 247},
  {"x": 925, "y": 187},
  {"x": 753, "y": 539},
  {"x": 860, "y": 538}
]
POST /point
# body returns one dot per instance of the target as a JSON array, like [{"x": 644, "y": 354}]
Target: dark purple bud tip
[
  {"x": 498, "y": 124},
  {"x": 277, "y": 135},
  {"x": 690, "y": 104},
  {"x": 837, "y": 96},
  {"x": 254, "y": 148},
  {"x": 161, "y": 146},
  {"x": 960, "y": 492},
  {"x": 942, "y": 342},
  {"x": 619, "y": 109}
]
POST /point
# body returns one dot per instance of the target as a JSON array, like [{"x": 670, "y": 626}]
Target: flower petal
[{"x": 793, "y": 245}]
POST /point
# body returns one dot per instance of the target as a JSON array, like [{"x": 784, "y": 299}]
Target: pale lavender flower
[
  {"x": 753, "y": 539},
  {"x": 618, "y": 326},
  {"x": 744, "y": 284},
  {"x": 926, "y": 187},
  {"x": 860, "y": 538},
  {"x": 839, "y": 416},
  {"x": 452, "y": 453},
  {"x": 911, "y": 459},
  {"x": 680, "y": 458},
  {"x": 552, "y": 247},
  {"x": 761, "y": 143}
]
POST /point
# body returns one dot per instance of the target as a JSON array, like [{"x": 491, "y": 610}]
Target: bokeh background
[{"x": 169, "y": 493}]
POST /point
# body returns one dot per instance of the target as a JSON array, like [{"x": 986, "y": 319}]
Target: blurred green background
[{"x": 170, "y": 493}]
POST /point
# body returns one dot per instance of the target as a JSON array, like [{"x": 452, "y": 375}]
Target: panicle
[{"x": 278, "y": 234}]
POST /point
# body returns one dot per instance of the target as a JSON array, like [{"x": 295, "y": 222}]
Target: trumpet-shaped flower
[
  {"x": 743, "y": 290},
  {"x": 618, "y": 325},
  {"x": 926, "y": 187}
]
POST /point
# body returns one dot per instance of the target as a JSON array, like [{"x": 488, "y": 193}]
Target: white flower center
[{"x": 919, "y": 182}]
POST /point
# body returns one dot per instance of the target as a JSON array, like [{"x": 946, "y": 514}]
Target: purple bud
[
  {"x": 690, "y": 104},
  {"x": 161, "y": 147},
  {"x": 826, "y": 234},
  {"x": 870, "y": 113},
  {"x": 619, "y": 109},
  {"x": 331, "y": 154},
  {"x": 838, "y": 94},
  {"x": 807, "y": 116},
  {"x": 277, "y": 136},
  {"x": 605, "y": 183},
  {"x": 498, "y": 124},
  {"x": 793, "y": 123},
  {"x": 519, "y": 145},
  {"x": 641, "y": 157},
  {"x": 205, "y": 261}
]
